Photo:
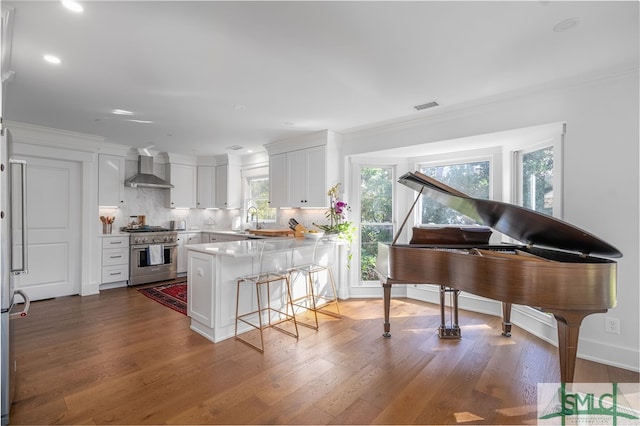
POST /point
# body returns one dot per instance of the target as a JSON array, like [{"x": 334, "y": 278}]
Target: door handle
[
  {"x": 24, "y": 267},
  {"x": 27, "y": 303}
]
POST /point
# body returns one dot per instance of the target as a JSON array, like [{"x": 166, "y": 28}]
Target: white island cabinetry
[
  {"x": 213, "y": 270},
  {"x": 184, "y": 239}
]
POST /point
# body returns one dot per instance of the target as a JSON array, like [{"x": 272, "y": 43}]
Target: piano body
[{"x": 555, "y": 269}]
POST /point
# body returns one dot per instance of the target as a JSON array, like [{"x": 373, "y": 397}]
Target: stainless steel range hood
[{"x": 145, "y": 177}]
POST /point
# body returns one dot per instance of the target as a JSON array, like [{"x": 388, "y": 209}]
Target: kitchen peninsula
[{"x": 213, "y": 270}]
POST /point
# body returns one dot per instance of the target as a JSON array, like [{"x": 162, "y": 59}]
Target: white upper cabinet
[
  {"x": 228, "y": 191},
  {"x": 206, "y": 187},
  {"x": 110, "y": 180},
  {"x": 278, "y": 181},
  {"x": 302, "y": 170},
  {"x": 183, "y": 178},
  {"x": 307, "y": 177}
]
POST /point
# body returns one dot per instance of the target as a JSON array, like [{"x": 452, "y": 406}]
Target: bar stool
[
  {"x": 271, "y": 268},
  {"x": 313, "y": 298}
]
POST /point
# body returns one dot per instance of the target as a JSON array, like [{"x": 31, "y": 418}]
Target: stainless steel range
[{"x": 153, "y": 255}]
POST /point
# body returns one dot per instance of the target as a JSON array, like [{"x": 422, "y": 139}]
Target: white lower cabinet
[
  {"x": 185, "y": 238},
  {"x": 115, "y": 259}
]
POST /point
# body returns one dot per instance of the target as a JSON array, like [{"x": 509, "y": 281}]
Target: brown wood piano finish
[{"x": 563, "y": 278}]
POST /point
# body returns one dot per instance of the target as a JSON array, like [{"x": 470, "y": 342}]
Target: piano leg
[
  {"x": 445, "y": 331},
  {"x": 386, "y": 289},
  {"x": 506, "y": 319},
  {"x": 568, "y": 333}
]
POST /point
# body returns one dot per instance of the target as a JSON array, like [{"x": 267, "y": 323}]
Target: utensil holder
[{"x": 106, "y": 228}]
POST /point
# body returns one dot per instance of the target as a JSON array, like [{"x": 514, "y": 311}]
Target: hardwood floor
[{"x": 121, "y": 358}]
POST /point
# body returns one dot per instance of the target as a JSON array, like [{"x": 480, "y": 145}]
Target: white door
[{"x": 53, "y": 221}]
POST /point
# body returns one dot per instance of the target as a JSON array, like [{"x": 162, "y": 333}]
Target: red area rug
[{"x": 172, "y": 295}]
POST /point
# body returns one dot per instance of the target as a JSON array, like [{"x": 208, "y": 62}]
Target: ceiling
[{"x": 200, "y": 77}]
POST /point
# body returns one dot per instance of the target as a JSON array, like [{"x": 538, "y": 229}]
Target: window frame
[
  {"x": 395, "y": 164},
  {"x": 517, "y": 152},
  {"x": 490, "y": 154},
  {"x": 392, "y": 170},
  {"x": 247, "y": 176}
]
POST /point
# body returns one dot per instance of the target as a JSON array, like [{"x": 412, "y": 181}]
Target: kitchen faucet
[{"x": 255, "y": 214}]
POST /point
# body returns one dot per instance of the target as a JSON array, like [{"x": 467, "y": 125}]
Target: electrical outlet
[{"x": 612, "y": 325}]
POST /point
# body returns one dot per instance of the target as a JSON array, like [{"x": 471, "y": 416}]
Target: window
[
  {"x": 258, "y": 196},
  {"x": 535, "y": 179},
  {"x": 536, "y": 170},
  {"x": 376, "y": 213},
  {"x": 472, "y": 178}
]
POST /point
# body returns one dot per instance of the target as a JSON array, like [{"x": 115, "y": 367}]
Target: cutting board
[{"x": 272, "y": 232}]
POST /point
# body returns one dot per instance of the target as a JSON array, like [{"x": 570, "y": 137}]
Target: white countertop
[{"x": 253, "y": 246}]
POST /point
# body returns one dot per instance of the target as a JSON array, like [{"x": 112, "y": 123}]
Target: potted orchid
[{"x": 338, "y": 227}]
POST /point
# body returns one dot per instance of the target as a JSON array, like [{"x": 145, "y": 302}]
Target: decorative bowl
[{"x": 313, "y": 235}]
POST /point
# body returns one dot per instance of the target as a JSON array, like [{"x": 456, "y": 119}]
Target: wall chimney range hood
[{"x": 145, "y": 177}]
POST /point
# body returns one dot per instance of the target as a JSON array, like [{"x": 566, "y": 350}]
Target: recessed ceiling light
[
  {"x": 121, "y": 112},
  {"x": 234, "y": 147},
  {"x": 141, "y": 121},
  {"x": 72, "y": 6},
  {"x": 52, "y": 59},
  {"x": 566, "y": 25}
]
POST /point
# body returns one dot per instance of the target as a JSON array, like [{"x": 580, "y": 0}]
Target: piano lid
[{"x": 519, "y": 223}]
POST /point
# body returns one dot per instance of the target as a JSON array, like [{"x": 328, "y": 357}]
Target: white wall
[{"x": 601, "y": 182}]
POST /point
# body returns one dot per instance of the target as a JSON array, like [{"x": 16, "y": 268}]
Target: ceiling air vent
[
  {"x": 234, "y": 147},
  {"x": 425, "y": 106}
]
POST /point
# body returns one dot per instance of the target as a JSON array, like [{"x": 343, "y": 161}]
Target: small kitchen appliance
[{"x": 178, "y": 225}]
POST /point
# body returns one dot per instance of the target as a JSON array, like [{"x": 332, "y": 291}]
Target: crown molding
[
  {"x": 469, "y": 108},
  {"x": 56, "y": 138}
]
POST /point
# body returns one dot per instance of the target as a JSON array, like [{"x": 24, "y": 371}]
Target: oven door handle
[{"x": 144, "y": 246}]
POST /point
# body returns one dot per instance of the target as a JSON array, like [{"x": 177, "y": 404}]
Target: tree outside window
[
  {"x": 376, "y": 216},
  {"x": 472, "y": 178},
  {"x": 537, "y": 180},
  {"x": 258, "y": 191}
]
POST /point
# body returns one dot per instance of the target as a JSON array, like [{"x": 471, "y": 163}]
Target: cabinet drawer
[
  {"x": 115, "y": 273},
  {"x": 114, "y": 242},
  {"x": 115, "y": 256}
]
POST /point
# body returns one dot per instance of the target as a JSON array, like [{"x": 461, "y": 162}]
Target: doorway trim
[{"x": 35, "y": 141}]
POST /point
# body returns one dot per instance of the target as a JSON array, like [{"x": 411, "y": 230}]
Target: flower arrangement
[{"x": 337, "y": 216}]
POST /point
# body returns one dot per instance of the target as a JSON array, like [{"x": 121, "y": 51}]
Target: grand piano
[{"x": 558, "y": 268}]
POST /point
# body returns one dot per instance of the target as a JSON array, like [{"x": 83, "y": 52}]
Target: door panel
[{"x": 53, "y": 238}]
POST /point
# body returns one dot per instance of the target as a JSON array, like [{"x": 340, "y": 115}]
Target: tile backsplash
[{"x": 152, "y": 203}]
